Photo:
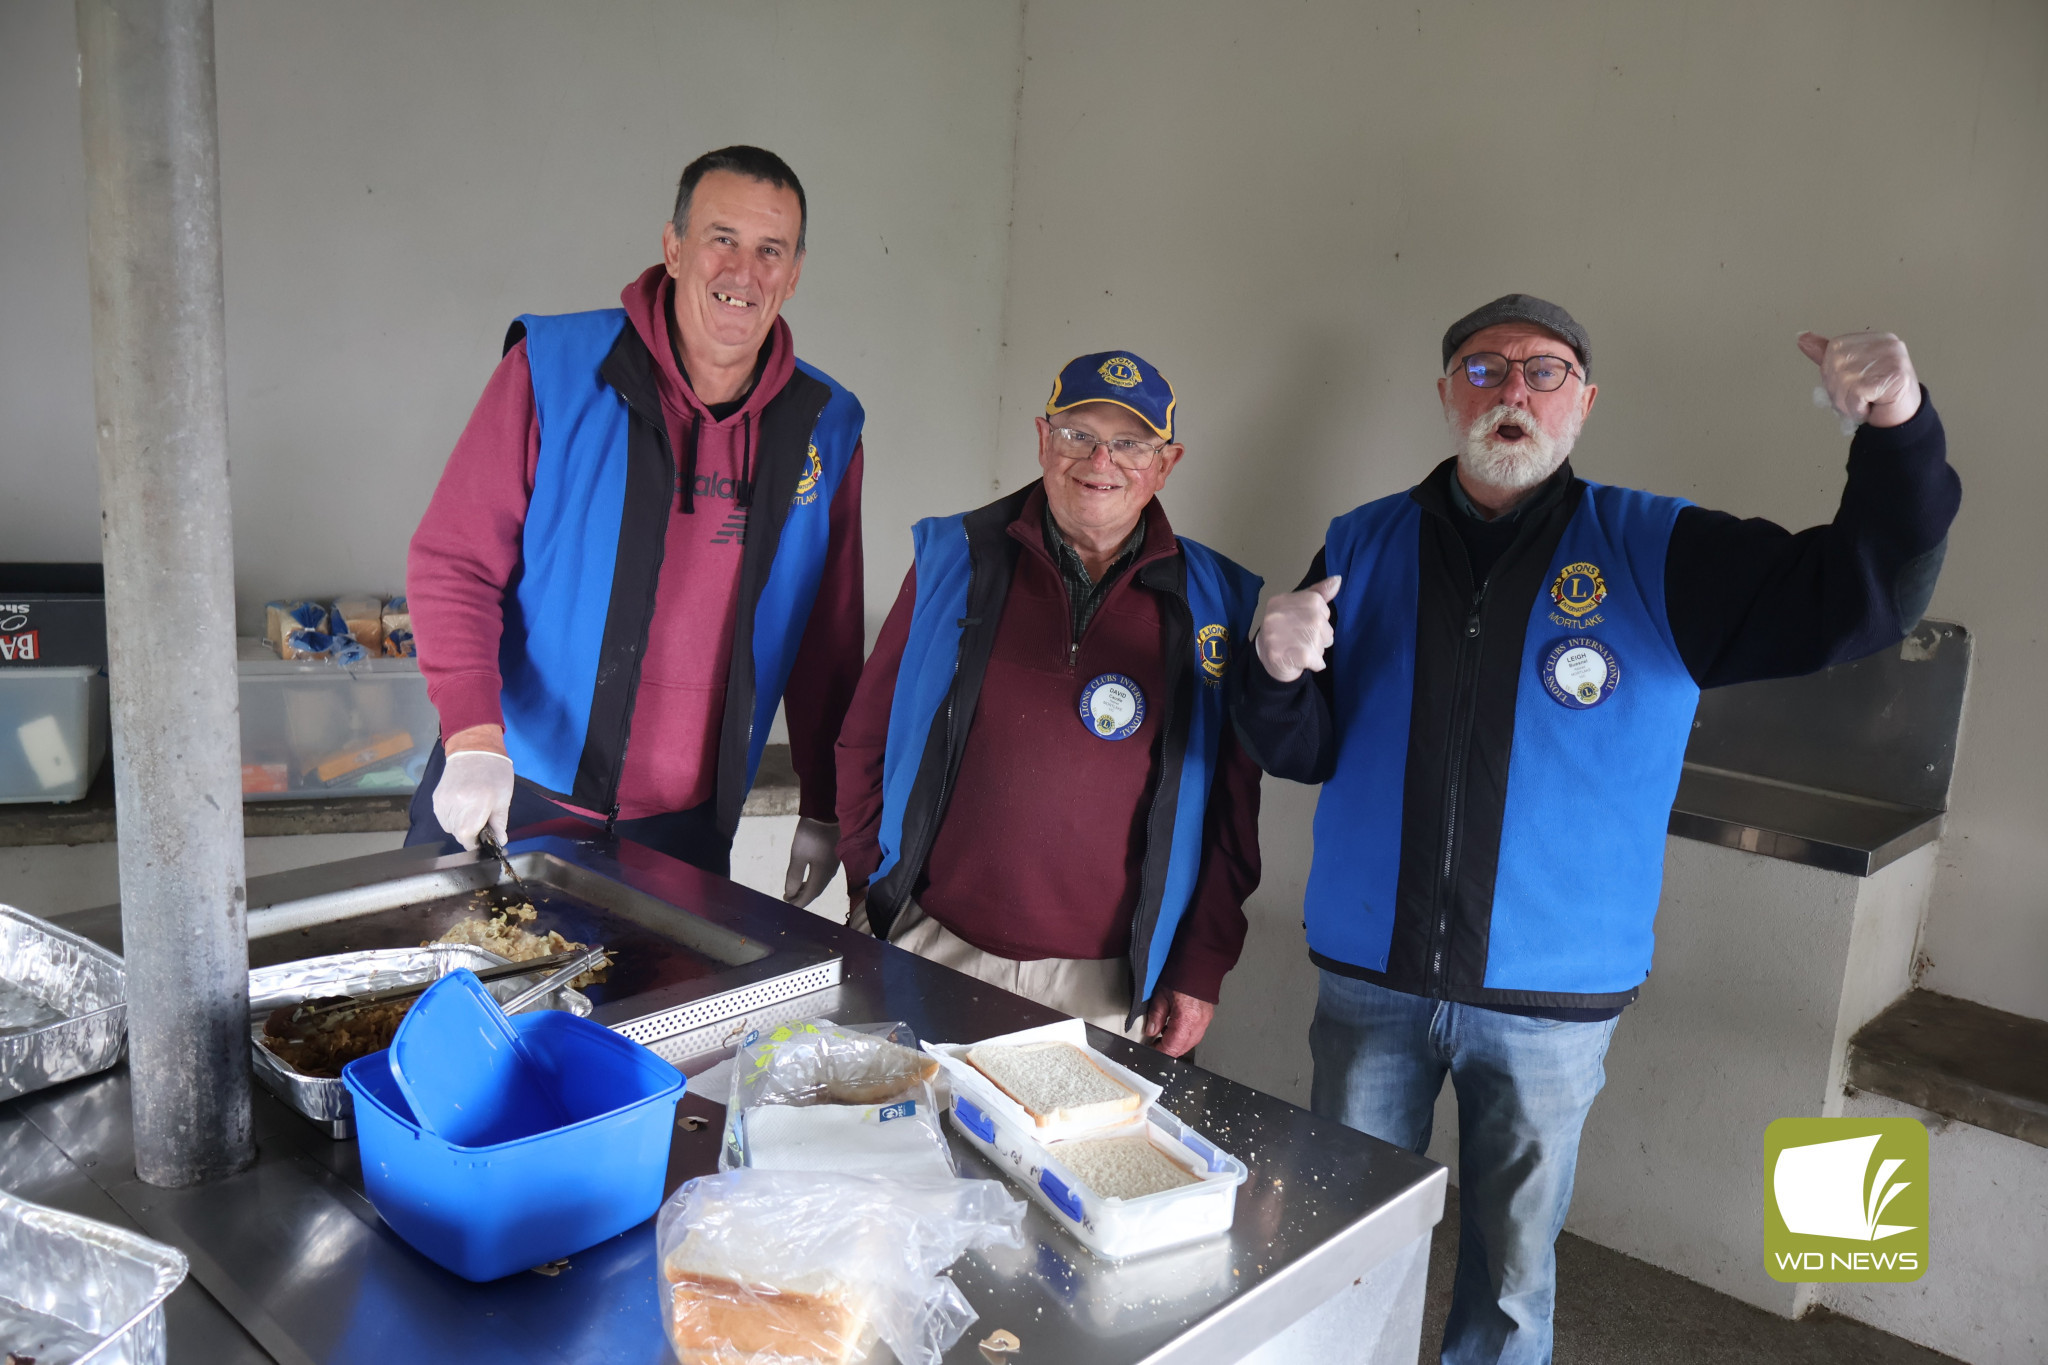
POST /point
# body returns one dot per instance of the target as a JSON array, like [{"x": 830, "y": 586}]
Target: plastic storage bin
[
  {"x": 315, "y": 728},
  {"x": 53, "y": 615},
  {"x": 966, "y": 1078},
  {"x": 490, "y": 1211},
  {"x": 1115, "y": 1228},
  {"x": 53, "y": 732}
]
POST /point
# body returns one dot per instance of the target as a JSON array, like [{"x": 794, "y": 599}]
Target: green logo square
[{"x": 1845, "y": 1200}]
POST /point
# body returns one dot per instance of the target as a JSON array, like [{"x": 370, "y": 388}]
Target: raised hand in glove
[
  {"x": 1296, "y": 630},
  {"x": 1866, "y": 376},
  {"x": 475, "y": 792},
  {"x": 813, "y": 858}
]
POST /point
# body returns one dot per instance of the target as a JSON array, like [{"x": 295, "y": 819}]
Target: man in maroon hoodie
[
  {"x": 1038, "y": 785},
  {"x": 647, "y": 537}
]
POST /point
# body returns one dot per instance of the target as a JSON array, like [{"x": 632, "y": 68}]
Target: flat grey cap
[{"x": 1520, "y": 308}]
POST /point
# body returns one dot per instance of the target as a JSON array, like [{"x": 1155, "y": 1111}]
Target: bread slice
[
  {"x": 1122, "y": 1167},
  {"x": 1056, "y": 1083},
  {"x": 718, "y": 1321},
  {"x": 887, "y": 1071}
]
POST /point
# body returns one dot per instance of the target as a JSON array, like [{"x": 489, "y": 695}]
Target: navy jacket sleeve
[
  {"x": 1287, "y": 728},
  {"x": 1748, "y": 599}
]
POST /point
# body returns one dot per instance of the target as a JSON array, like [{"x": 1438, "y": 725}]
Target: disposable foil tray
[
  {"x": 324, "y": 1099},
  {"x": 63, "y": 1005},
  {"x": 77, "y": 1292}
]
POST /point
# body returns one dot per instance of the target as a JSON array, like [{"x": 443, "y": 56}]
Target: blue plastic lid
[{"x": 462, "y": 1067}]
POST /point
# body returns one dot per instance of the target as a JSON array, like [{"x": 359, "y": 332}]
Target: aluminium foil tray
[
  {"x": 324, "y": 1100},
  {"x": 71, "y": 999}
]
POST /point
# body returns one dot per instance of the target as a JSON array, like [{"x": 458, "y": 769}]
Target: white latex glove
[
  {"x": 1864, "y": 376},
  {"x": 1296, "y": 630},
  {"x": 475, "y": 790},
  {"x": 813, "y": 858}
]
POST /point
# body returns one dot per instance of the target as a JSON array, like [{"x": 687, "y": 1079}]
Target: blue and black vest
[
  {"x": 577, "y": 617},
  {"x": 1508, "y": 751},
  {"x": 965, "y": 565}
]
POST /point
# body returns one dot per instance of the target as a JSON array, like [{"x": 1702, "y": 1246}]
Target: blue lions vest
[
  {"x": 575, "y": 625},
  {"x": 1602, "y": 712},
  {"x": 1220, "y": 598}
]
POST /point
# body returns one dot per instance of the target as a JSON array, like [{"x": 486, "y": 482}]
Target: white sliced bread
[
  {"x": 1056, "y": 1083},
  {"x": 1121, "y": 1167},
  {"x": 715, "y": 1320}
]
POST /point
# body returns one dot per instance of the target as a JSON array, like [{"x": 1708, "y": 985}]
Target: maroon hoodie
[{"x": 467, "y": 550}]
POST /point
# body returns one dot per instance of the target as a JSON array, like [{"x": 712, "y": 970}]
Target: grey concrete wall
[
  {"x": 1981, "y": 1298},
  {"x": 49, "y": 474},
  {"x": 399, "y": 181}
]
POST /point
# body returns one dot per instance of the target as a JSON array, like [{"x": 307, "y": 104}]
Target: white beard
[{"x": 1515, "y": 466}]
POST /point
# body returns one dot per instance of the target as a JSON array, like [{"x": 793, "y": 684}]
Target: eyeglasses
[
  {"x": 1130, "y": 454},
  {"x": 1488, "y": 370}
]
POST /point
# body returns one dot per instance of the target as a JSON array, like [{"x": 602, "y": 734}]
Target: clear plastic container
[
  {"x": 315, "y": 728},
  {"x": 53, "y": 732},
  {"x": 964, "y": 1076},
  {"x": 1006, "y": 1133},
  {"x": 1115, "y": 1228}
]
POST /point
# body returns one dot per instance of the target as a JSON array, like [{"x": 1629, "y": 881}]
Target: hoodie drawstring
[
  {"x": 745, "y": 492},
  {"x": 686, "y": 473}
]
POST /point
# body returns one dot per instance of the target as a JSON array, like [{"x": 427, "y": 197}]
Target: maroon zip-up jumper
[{"x": 1041, "y": 848}]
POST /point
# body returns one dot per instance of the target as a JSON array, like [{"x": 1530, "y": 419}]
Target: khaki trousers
[{"x": 1095, "y": 989}]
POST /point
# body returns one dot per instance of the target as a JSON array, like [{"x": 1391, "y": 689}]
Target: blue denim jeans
[{"x": 1523, "y": 1086}]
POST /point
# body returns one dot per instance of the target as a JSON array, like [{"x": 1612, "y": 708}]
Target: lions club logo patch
[
  {"x": 1121, "y": 371},
  {"x": 1212, "y": 650},
  {"x": 1579, "y": 590},
  {"x": 807, "y": 486}
]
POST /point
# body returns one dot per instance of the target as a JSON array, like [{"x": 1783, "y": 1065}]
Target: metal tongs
[
  {"x": 488, "y": 842},
  {"x": 586, "y": 959},
  {"x": 566, "y": 965}
]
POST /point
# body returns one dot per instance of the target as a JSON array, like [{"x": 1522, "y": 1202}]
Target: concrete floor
[{"x": 1615, "y": 1310}]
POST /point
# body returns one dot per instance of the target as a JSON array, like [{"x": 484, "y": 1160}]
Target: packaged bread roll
[
  {"x": 280, "y": 619},
  {"x": 362, "y": 617},
  {"x": 397, "y": 628}
]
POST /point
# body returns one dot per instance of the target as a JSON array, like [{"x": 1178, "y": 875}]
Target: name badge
[
  {"x": 1580, "y": 672},
  {"x": 1112, "y": 707}
]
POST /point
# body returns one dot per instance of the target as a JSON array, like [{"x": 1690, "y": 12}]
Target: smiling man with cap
[
  {"x": 1493, "y": 675},
  {"x": 1038, "y": 784}
]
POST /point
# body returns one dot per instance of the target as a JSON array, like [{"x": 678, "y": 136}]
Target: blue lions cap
[{"x": 1120, "y": 377}]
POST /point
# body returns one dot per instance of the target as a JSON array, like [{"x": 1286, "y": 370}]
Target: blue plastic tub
[{"x": 490, "y": 1211}]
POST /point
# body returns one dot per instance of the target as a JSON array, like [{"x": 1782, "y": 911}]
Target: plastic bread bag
[
  {"x": 360, "y": 617},
  {"x": 818, "y": 1096},
  {"x": 281, "y": 618},
  {"x": 780, "y": 1267},
  {"x": 316, "y": 644}
]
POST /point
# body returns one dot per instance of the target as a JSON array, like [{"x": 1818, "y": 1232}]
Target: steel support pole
[{"x": 159, "y": 392}]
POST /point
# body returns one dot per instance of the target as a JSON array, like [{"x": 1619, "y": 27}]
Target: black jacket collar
[{"x": 1434, "y": 492}]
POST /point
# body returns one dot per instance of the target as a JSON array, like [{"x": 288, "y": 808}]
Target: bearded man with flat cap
[
  {"x": 1469, "y": 666},
  {"x": 1038, "y": 783}
]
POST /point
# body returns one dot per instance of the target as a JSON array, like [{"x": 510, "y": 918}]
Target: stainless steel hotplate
[{"x": 682, "y": 953}]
